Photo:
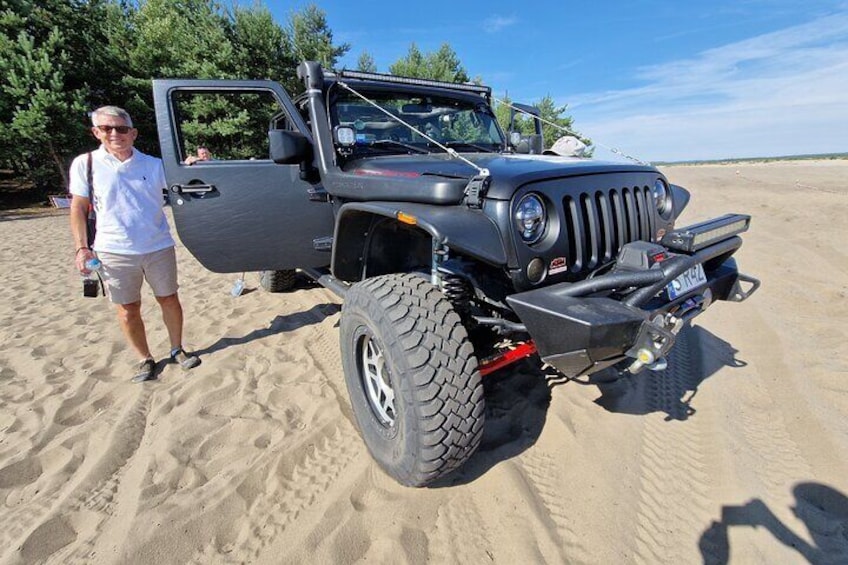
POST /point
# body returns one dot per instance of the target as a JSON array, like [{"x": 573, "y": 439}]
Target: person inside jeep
[{"x": 203, "y": 154}]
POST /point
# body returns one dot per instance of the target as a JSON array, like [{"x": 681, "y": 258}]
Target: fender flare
[{"x": 470, "y": 232}]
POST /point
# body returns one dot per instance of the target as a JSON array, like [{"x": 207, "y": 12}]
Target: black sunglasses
[{"x": 120, "y": 129}]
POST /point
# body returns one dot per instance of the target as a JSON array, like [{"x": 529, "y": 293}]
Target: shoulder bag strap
[
  {"x": 89, "y": 177},
  {"x": 92, "y": 215}
]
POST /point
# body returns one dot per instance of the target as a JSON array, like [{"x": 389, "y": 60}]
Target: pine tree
[{"x": 441, "y": 65}]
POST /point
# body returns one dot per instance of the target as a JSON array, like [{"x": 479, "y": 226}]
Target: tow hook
[
  {"x": 656, "y": 337},
  {"x": 646, "y": 359}
]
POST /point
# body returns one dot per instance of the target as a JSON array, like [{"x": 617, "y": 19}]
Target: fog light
[{"x": 536, "y": 271}]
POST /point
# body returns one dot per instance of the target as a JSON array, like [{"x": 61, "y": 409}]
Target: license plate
[{"x": 690, "y": 280}]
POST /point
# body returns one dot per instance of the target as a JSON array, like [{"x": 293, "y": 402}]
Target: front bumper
[{"x": 579, "y": 329}]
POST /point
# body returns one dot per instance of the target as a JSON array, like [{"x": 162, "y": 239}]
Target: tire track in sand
[
  {"x": 77, "y": 410},
  {"x": 773, "y": 461},
  {"x": 290, "y": 488},
  {"x": 460, "y": 534},
  {"x": 323, "y": 348},
  {"x": 294, "y": 485},
  {"x": 95, "y": 492},
  {"x": 543, "y": 479},
  {"x": 674, "y": 476}
]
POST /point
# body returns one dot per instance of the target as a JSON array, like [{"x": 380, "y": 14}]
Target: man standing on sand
[{"x": 132, "y": 240}]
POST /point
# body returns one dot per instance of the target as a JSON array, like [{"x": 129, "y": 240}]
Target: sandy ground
[{"x": 738, "y": 451}]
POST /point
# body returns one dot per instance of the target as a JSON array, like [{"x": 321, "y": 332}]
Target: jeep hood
[{"x": 508, "y": 172}]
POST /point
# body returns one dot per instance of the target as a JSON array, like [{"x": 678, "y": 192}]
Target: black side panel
[
  {"x": 241, "y": 211},
  {"x": 258, "y": 218}
]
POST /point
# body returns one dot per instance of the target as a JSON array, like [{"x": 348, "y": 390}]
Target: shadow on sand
[
  {"x": 517, "y": 399},
  {"x": 280, "y": 324},
  {"x": 822, "y": 509},
  {"x": 696, "y": 356}
]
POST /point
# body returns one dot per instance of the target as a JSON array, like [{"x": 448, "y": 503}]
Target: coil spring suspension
[{"x": 458, "y": 290}]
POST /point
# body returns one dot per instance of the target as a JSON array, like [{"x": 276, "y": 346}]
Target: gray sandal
[
  {"x": 146, "y": 371},
  {"x": 185, "y": 360}
]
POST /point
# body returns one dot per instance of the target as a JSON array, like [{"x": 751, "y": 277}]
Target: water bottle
[
  {"x": 91, "y": 281},
  {"x": 93, "y": 265}
]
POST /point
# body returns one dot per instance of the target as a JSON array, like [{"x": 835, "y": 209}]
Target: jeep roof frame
[{"x": 380, "y": 77}]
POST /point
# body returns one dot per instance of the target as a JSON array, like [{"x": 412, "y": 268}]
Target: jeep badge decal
[{"x": 558, "y": 265}]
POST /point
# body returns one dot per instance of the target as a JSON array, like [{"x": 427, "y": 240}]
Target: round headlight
[
  {"x": 662, "y": 198},
  {"x": 530, "y": 218}
]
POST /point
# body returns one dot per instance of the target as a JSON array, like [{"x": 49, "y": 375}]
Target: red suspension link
[{"x": 508, "y": 357}]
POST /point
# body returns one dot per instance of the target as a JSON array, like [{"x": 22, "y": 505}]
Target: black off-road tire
[
  {"x": 437, "y": 417},
  {"x": 278, "y": 281}
]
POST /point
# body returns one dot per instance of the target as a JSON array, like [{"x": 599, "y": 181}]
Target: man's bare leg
[
  {"x": 129, "y": 317},
  {"x": 172, "y": 315}
]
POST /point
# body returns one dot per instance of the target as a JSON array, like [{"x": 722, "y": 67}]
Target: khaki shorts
[{"x": 124, "y": 274}]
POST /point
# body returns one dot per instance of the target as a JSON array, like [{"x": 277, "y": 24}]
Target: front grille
[{"x": 599, "y": 223}]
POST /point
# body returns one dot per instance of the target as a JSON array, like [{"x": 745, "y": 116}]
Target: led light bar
[
  {"x": 478, "y": 88},
  {"x": 698, "y": 236}
]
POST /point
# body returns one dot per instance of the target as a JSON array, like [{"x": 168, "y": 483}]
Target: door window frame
[{"x": 287, "y": 113}]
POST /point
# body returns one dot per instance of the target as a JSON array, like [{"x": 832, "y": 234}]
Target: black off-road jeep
[{"x": 456, "y": 249}]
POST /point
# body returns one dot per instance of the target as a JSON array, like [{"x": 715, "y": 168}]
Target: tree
[
  {"x": 212, "y": 43},
  {"x": 441, "y": 65},
  {"x": 554, "y": 114},
  {"x": 260, "y": 46},
  {"x": 366, "y": 63},
  {"x": 549, "y": 112},
  {"x": 57, "y": 62},
  {"x": 311, "y": 39},
  {"x": 186, "y": 39},
  {"x": 181, "y": 40},
  {"x": 42, "y": 120},
  {"x": 60, "y": 59},
  {"x": 504, "y": 114}
]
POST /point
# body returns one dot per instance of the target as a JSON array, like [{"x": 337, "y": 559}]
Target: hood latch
[{"x": 476, "y": 189}]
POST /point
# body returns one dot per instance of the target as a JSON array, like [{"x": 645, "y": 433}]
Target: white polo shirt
[{"x": 127, "y": 199}]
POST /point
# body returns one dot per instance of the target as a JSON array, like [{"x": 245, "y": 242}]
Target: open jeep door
[{"x": 238, "y": 211}]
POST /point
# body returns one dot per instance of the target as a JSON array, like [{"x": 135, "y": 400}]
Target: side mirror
[
  {"x": 536, "y": 143},
  {"x": 531, "y": 144},
  {"x": 527, "y": 112},
  {"x": 287, "y": 147}
]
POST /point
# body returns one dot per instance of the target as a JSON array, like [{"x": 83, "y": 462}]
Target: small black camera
[{"x": 90, "y": 288}]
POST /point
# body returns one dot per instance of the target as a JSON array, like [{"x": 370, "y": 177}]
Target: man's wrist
[{"x": 81, "y": 248}]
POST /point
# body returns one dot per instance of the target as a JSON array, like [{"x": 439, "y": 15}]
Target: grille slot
[{"x": 598, "y": 224}]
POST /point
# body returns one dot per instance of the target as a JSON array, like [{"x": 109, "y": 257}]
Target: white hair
[{"x": 111, "y": 111}]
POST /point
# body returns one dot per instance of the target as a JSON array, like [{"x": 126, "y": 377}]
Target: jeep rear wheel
[
  {"x": 412, "y": 377},
  {"x": 278, "y": 281}
]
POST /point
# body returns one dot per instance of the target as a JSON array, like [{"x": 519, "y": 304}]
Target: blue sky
[{"x": 660, "y": 80}]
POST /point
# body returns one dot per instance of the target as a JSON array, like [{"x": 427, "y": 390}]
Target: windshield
[{"x": 464, "y": 125}]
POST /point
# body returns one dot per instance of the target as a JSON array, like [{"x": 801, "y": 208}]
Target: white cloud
[
  {"x": 781, "y": 93},
  {"x": 496, "y": 23}
]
